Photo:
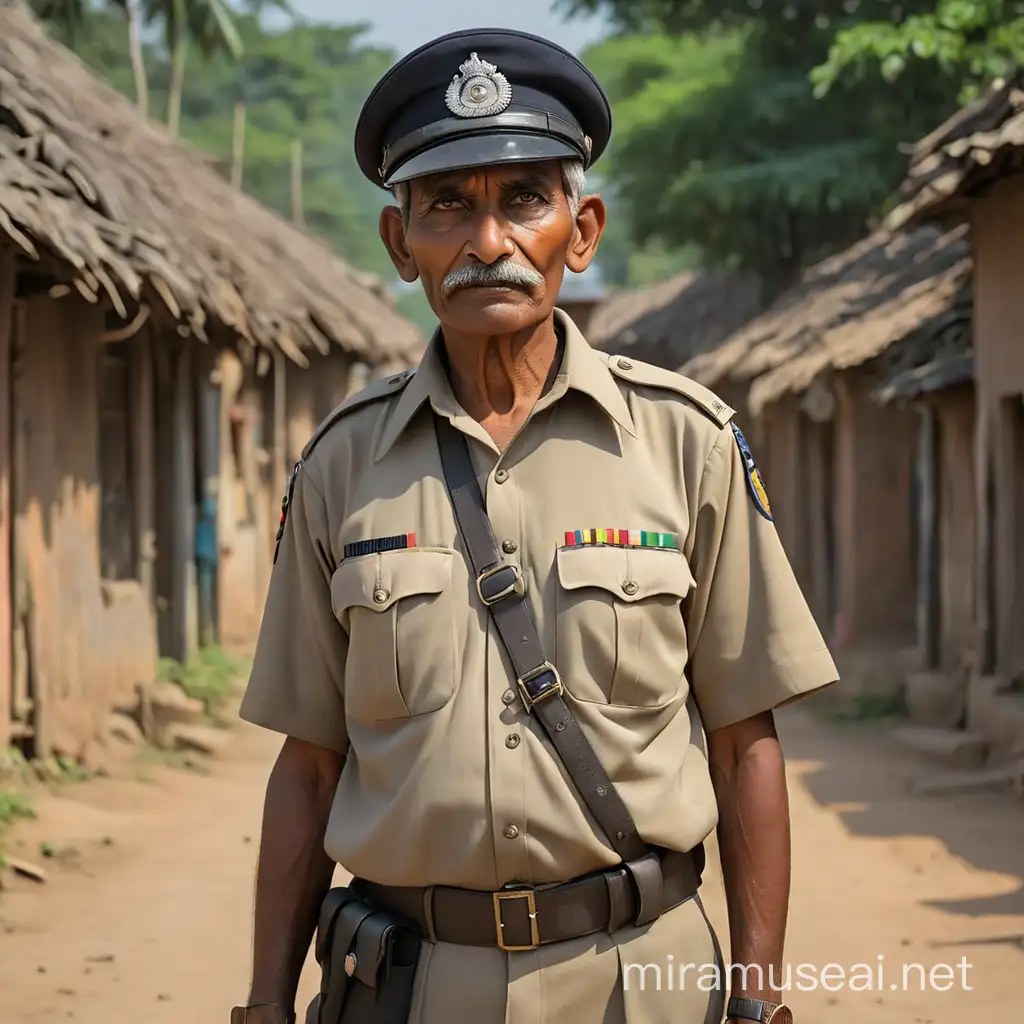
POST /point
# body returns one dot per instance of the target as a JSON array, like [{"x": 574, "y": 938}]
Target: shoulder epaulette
[
  {"x": 637, "y": 372},
  {"x": 373, "y": 391}
]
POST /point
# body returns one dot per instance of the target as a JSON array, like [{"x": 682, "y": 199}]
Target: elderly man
[{"x": 510, "y": 589}]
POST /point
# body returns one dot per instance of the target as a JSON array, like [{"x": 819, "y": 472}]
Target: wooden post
[
  {"x": 144, "y": 461},
  {"x": 298, "y": 215},
  {"x": 183, "y": 518},
  {"x": 280, "y": 425},
  {"x": 928, "y": 541},
  {"x": 238, "y": 146},
  {"x": 208, "y": 462},
  {"x": 8, "y": 277}
]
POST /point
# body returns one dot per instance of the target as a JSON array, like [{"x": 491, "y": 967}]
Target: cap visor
[{"x": 483, "y": 151}]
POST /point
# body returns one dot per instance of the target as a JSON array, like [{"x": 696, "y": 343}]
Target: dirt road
[{"x": 145, "y": 917}]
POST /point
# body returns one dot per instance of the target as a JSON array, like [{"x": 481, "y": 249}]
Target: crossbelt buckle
[
  {"x": 539, "y": 683},
  {"x": 500, "y": 581},
  {"x": 531, "y": 908}
]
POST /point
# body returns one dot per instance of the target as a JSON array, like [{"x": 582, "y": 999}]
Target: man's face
[{"x": 491, "y": 244}]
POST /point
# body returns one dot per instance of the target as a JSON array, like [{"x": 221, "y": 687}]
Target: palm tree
[
  {"x": 131, "y": 14},
  {"x": 209, "y": 24}
]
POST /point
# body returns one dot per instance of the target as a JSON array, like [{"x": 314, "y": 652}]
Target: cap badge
[{"x": 478, "y": 90}]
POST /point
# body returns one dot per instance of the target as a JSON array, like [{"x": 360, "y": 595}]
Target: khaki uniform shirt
[{"x": 390, "y": 659}]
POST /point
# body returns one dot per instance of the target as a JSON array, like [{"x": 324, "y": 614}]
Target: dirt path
[{"x": 149, "y": 921}]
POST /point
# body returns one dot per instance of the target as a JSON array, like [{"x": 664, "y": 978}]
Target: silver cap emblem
[{"x": 478, "y": 90}]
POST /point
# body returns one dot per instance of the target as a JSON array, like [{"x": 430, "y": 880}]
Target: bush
[
  {"x": 211, "y": 676},
  {"x": 12, "y": 806}
]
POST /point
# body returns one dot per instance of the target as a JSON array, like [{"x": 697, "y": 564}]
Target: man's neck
[{"x": 499, "y": 379}]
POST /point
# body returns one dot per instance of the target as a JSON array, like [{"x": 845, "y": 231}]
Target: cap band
[{"x": 455, "y": 127}]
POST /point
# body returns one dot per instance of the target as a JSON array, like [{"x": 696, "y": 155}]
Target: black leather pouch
[{"x": 367, "y": 961}]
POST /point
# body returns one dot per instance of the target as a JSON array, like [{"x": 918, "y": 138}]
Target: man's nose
[{"x": 490, "y": 241}]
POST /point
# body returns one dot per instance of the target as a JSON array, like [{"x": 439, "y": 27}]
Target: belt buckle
[
  {"x": 517, "y": 586},
  {"x": 549, "y": 688},
  {"x": 531, "y": 906}
]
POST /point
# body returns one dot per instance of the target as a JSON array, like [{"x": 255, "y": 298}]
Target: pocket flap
[
  {"x": 631, "y": 574},
  {"x": 377, "y": 581}
]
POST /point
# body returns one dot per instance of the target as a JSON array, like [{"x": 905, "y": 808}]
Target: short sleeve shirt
[{"x": 655, "y": 575}]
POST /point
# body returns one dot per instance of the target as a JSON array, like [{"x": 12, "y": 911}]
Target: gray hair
[{"x": 574, "y": 181}]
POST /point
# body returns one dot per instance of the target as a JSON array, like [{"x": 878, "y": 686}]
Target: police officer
[{"x": 508, "y": 749}]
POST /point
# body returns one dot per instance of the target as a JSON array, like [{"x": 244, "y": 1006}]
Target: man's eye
[
  {"x": 529, "y": 198},
  {"x": 447, "y": 203}
]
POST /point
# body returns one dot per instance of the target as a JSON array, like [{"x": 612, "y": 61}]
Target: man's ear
[
  {"x": 392, "y": 234},
  {"x": 590, "y": 222}
]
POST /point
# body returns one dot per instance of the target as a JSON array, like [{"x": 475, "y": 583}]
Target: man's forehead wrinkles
[{"x": 480, "y": 181}]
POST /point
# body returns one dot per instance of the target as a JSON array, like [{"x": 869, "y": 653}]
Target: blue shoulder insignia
[{"x": 753, "y": 474}]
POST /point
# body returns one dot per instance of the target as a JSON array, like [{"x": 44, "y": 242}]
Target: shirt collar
[{"x": 583, "y": 369}]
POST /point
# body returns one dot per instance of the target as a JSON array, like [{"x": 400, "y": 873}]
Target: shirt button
[
  {"x": 511, "y": 831},
  {"x": 512, "y": 740},
  {"x": 630, "y": 587},
  {"x": 380, "y": 596},
  {"x": 501, "y": 476},
  {"x": 508, "y": 697},
  {"x": 509, "y": 547},
  {"x": 625, "y": 364}
]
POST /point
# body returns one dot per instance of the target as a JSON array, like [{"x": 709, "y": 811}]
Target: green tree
[
  {"x": 971, "y": 42},
  {"x": 722, "y": 143}
]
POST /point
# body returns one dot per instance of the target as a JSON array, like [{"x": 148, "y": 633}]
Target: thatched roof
[
  {"x": 912, "y": 289},
  {"x": 671, "y": 322},
  {"x": 133, "y": 215},
  {"x": 962, "y": 157}
]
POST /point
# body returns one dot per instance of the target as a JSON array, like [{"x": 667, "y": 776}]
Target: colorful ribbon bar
[
  {"x": 371, "y": 547},
  {"x": 620, "y": 538}
]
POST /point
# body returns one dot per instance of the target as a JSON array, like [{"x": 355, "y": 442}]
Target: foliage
[
  {"x": 13, "y": 805},
  {"x": 303, "y": 81},
  {"x": 969, "y": 41},
  {"x": 721, "y": 143},
  {"x": 211, "y": 676}
]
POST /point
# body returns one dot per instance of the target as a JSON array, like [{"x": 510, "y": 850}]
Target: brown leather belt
[{"x": 518, "y": 918}]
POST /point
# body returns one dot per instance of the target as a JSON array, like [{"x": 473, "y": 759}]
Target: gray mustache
[{"x": 486, "y": 274}]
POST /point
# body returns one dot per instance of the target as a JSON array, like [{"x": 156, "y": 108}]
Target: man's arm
[
  {"x": 748, "y": 773},
  {"x": 294, "y": 870}
]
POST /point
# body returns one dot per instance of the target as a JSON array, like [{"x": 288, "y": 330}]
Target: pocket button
[
  {"x": 630, "y": 587},
  {"x": 380, "y": 595}
]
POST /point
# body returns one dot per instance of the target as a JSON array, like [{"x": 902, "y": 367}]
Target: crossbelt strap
[{"x": 501, "y": 588}]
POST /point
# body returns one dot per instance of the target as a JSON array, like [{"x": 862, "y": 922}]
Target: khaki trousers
[{"x": 664, "y": 973}]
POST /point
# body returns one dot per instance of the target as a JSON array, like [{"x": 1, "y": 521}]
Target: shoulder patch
[
  {"x": 753, "y": 474},
  {"x": 657, "y": 377},
  {"x": 373, "y": 391},
  {"x": 285, "y": 503}
]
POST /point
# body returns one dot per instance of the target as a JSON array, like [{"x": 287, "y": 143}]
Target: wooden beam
[{"x": 8, "y": 280}]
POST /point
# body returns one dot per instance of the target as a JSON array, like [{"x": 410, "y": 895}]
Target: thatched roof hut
[
  {"x": 106, "y": 200},
  {"x": 671, "y": 322},
  {"x": 903, "y": 300},
  {"x": 976, "y": 147}
]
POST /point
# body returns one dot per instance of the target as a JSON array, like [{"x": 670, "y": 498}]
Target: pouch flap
[
  {"x": 377, "y": 581},
  {"x": 631, "y": 574},
  {"x": 329, "y": 910}
]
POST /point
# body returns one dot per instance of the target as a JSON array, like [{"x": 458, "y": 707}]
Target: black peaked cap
[{"x": 481, "y": 97}]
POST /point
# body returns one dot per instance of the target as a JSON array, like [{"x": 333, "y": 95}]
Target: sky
[{"x": 406, "y": 24}]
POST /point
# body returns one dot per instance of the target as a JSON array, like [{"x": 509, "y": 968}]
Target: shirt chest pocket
[
  {"x": 396, "y": 608},
  {"x": 620, "y": 633}
]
